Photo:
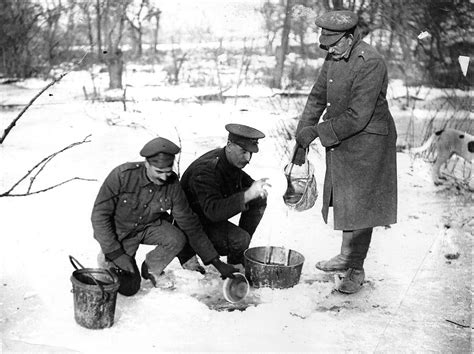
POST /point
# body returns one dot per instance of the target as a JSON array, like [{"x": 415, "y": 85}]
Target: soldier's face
[
  {"x": 237, "y": 155},
  {"x": 158, "y": 175},
  {"x": 338, "y": 49}
]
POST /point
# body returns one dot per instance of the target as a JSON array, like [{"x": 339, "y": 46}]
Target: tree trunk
[
  {"x": 114, "y": 62},
  {"x": 140, "y": 42},
  {"x": 155, "y": 32},
  {"x": 99, "y": 29},
  {"x": 281, "y": 54}
]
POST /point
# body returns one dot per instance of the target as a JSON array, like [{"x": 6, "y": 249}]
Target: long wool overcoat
[{"x": 359, "y": 135}]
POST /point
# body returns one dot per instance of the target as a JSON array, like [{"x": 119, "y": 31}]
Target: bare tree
[
  {"x": 137, "y": 13},
  {"x": 155, "y": 13},
  {"x": 85, "y": 8},
  {"x": 178, "y": 58},
  {"x": 98, "y": 21},
  {"x": 281, "y": 55},
  {"x": 18, "y": 34},
  {"x": 114, "y": 23},
  {"x": 51, "y": 33},
  {"x": 273, "y": 15}
]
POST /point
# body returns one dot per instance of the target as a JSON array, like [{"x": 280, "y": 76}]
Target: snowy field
[{"x": 411, "y": 292}]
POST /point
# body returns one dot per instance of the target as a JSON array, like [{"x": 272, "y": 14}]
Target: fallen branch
[
  {"x": 40, "y": 166},
  {"x": 13, "y": 123},
  {"x": 47, "y": 189},
  {"x": 457, "y": 324}
]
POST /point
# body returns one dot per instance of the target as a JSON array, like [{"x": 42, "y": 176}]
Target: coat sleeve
[
  {"x": 316, "y": 102},
  {"x": 365, "y": 91},
  {"x": 189, "y": 223},
  {"x": 215, "y": 206},
  {"x": 103, "y": 216}
]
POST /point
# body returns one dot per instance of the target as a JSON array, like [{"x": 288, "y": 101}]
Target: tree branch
[
  {"x": 46, "y": 189},
  {"x": 13, "y": 123},
  {"x": 42, "y": 164}
]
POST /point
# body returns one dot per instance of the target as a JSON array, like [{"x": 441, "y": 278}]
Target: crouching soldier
[
  {"x": 218, "y": 189},
  {"x": 135, "y": 205}
]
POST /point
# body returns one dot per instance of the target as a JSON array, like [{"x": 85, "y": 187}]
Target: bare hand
[{"x": 257, "y": 189}]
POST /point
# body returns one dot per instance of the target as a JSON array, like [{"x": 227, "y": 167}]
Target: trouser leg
[
  {"x": 229, "y": 240},
  {"x": 250, "y": 218},
  {"x": 186, "y": 253},
  {"x": 169, "y": 241}
]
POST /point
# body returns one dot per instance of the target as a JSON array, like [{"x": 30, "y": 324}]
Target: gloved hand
[
  {"x": 226, "y": 270},
  {"x": 124, "y": 262},
  {"x": 306, "y": 136},
  {"x": 299, "y": 155}
]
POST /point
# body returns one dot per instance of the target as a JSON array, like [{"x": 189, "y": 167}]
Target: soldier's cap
[
  {"x": 160, "y": 152},
  {"x": 334, "y": 25},
  {"x": 244, "y": 136}
]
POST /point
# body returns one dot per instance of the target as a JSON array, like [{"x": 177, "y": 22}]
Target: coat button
[
  {"x": 151, "y": 190},
  {"x": 330, "y": 80},
  {"x": 332, "y": 149},
  {"x": 329, "y": 104}
]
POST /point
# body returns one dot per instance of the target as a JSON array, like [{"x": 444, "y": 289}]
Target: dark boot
[
  {"x": 360, "y": 247},
  {"x": 159, "y": 281},
  {"x": 352, "y": 281},
  {"x": 341, "y": 261},
  {"x": 354, "y": 248},
  {"x": 129, "y": 281}
]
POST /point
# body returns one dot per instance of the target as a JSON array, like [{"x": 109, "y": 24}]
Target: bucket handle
[{"x": 76, "y": 263}]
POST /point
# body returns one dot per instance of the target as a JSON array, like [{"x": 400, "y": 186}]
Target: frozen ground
[{"x": 414, "y": 298}]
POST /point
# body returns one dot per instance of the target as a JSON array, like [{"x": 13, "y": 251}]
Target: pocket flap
[{"x": 380, "y": 128}]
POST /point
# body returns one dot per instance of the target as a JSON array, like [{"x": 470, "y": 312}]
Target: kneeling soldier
[{"x": 134, "y": 206}]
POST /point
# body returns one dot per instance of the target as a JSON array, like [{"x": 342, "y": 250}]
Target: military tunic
[
  {"x": 128, "y": 202},
  {"x": 359, "y": 134},
  {"x": 215, "y": 189}
]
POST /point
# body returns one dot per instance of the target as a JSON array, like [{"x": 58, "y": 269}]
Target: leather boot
[
  {"x": 193, "y": 264},
  {"x": 352, "y": 281},
  {"x": 341, "y": 261},
  {"x": 360, "y": 247},
  {"x": 159, "y": 281}
]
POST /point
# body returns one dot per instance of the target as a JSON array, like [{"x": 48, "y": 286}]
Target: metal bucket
[
  {"x": 274, "y": 267},
  {"x": 95, "y": 296}
]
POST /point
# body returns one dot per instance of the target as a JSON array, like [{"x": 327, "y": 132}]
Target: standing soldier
[{"x": 359, "y": 135}]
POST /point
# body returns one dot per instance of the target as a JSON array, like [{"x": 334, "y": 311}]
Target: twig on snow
[{"x": 456, "y": 323}]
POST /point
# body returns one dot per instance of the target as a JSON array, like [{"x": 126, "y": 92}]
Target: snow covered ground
[{"x": 411, "y": 292}]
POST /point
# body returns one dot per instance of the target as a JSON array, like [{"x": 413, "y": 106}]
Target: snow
[{"x": 40, "y": 231}]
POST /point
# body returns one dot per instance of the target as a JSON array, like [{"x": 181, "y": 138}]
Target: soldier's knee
[
  {"x": 239, "y": 240},
  {"x": 176, "y": 240}
]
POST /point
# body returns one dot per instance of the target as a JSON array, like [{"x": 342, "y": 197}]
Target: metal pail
[
  {"x": 95, "y": 296},
  {"x": 274, "y": 267}
]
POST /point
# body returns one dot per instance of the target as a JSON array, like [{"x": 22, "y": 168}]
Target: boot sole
[{"x": 332, "y": 269}]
